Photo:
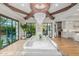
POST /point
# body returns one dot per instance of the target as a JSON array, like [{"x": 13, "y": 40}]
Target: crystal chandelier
[{"x": 39, "y": 17}]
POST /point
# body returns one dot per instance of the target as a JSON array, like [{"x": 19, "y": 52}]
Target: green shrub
[{"x": 29, "y": 29}]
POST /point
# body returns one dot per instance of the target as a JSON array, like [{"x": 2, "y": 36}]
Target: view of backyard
[{"x": 7, "y": 31}]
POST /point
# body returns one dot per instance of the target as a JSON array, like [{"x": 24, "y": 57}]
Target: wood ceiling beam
[
  {"x": 16, "y": 9},
  {"x": 7, "y": 17},
  {"x": 48, "y": 14},
  {"x": 64, "y": 9}
]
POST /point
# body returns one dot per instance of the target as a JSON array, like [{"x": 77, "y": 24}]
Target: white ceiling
[
  {"x": 71, "y": 13},
  {"x": 57, "y": 6},
  {"x": 22, "y": 6}
]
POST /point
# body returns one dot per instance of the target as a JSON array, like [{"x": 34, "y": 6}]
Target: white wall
[
  {"x": 32, "y": 20},
  {"x": 21, "y": 32},
  {"x": 71, "y": 29},
  {"x": 70, "y": 25}
]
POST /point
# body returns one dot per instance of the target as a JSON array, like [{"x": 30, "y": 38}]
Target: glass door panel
[{"x": 7, "y": 31}]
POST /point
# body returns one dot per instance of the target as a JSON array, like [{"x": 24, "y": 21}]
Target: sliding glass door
[
  {"x": 47, "y": 29},
  {"x": 9, "y": 30},
  {"x": 30, "y": 31}
]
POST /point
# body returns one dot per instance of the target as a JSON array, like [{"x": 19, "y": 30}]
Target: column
[{"x": 53, "y": 29}]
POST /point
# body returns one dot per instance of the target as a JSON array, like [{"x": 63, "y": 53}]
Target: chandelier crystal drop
[{"x": 39, "y": 17}]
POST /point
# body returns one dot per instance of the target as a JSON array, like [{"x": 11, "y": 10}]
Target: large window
[
  {"x": 9, "y": 31},
  {"x": 47, "y": 29},
  {"x": 29, "y": 29}
]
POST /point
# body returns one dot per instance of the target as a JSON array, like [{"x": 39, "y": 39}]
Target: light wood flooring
[{"x": 67, "y": 47}]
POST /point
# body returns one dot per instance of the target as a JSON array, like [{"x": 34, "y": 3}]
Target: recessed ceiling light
[
  {"x": 56, "y": 5},
  {"x": 76, "y": 14},
  {"x": 77, "y": 9},
  {"x": 23, "y": 5}
]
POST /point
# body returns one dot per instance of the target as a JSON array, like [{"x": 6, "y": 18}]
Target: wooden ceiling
[{"x": 28, "y": 15}]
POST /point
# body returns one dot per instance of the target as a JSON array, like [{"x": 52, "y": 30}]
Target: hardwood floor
[{"x": 68, "y": 47}]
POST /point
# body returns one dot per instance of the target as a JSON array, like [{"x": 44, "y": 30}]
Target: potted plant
[
  {"x": 1, "y": 44},
  {"x": 28, "y": 29},
  {"x": 40, "y": 37}
]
